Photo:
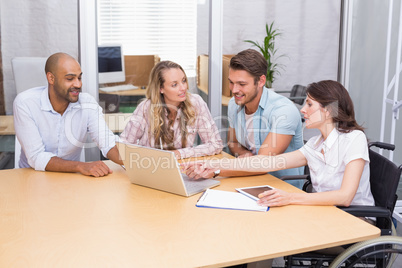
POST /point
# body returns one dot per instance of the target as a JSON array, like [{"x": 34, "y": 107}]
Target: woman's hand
[
  {"x": 177, "y": 154},
  {"x": 274, "y": 198}
]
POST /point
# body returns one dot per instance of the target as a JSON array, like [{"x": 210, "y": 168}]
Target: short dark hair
[
  {"x": 250, "y": 61},
  {"x": 334, "y": 96}
]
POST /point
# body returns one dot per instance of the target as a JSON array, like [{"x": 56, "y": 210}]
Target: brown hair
[
  {"x": 333, "y": 96},
  {"x": 159, "y": 129},
  {"x": 250, "y": 61}
]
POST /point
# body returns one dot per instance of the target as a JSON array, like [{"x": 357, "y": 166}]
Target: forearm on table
[
  {"x": 206, "y": 149},
  {"x": 330, "y": 198},
  {"x": 60, "y": 165},
  {"x": 247, "y": 165},
  {"x": 114, "y": 155},
  {"x": 237, "y": 173}
]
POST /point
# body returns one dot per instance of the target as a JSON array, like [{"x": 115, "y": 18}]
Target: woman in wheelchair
[{"x": 338, "y": 158}]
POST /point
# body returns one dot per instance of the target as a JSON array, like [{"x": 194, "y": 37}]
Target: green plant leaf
[{"x": 269, "y": 52}]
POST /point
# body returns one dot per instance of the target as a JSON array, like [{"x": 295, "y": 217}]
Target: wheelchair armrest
[
  {"x": 296, "y": 98},
  {"x": 367, "y": 211},
  {"x": 295, "y": 177},
  {"x": 283, "y": 91},
  {"x": 306, "y": 177}
]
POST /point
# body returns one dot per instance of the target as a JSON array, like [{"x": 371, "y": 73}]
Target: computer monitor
[{"x": 111, "y": 64}]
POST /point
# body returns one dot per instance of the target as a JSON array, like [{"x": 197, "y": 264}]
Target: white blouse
[{"x": 326, "y": 170}]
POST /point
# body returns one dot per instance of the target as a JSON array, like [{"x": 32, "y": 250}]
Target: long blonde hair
[{"x": 158, "y": 108}]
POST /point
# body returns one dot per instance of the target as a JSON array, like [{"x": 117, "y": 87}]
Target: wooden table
[{"x": 50, "y": 219}]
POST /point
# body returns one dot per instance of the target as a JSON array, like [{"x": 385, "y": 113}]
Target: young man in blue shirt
[{"x": 260, "y": 120}]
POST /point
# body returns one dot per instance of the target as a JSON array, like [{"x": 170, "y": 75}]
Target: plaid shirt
[{"x": 137, "y": 130}]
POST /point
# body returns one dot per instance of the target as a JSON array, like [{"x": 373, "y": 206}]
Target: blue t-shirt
[{"x": 276, "y": 114}]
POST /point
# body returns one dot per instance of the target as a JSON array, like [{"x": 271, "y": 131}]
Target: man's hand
[
  {"x": 96, "y": 169},
  {"x": 246, "y": 154},
  {"x": 198, "y": 170}
]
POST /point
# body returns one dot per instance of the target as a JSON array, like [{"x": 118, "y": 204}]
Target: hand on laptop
[
  {"x": 177, "y": 154},
  {"x": 197, "y": 170}
]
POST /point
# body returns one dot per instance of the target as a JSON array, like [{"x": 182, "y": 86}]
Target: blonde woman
[{"x": 171, "y": 117}]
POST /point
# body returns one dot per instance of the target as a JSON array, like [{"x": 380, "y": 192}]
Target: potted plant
[{"x": 268, "y": 50}]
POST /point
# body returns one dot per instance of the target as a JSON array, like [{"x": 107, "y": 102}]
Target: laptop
[{"x": 159, "y": 169}]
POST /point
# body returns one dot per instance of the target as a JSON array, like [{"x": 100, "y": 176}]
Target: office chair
[
  {"x": 297, "y": 94},
  {"x": 28, "y": 72},
  {"x": 384, "y": 180},
  {"x": 110, "y": 103}
]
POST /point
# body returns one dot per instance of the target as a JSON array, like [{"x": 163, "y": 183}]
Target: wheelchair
[{"x": 378, "y": 252}]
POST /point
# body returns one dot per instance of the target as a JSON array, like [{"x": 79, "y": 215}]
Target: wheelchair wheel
[{"x": 378, "y": 252}]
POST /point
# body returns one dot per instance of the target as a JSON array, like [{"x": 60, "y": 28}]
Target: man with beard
[
  {"x": 52, "y": 122},
  {"x": 260, "y": 121}
]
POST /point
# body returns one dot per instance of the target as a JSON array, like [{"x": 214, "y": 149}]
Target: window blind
[{"x": 166, "y": 28}]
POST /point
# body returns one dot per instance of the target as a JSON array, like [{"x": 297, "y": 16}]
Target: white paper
[{"x": 229, "y": 200}]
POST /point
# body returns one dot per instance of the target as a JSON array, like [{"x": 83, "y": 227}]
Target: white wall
[
  {"x": 35, "y": 28},
  {"x": 310, "y": 37},
  {"x": 367, "y": 67}
]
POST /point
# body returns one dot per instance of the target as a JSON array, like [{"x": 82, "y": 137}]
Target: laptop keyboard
[{"x": 194, "y": 186}]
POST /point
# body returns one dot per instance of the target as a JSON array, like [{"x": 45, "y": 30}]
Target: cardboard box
[
  {"x": 225, "y": 74},
  {"x": 202, "y": 74},
  {"x": 138, "y": 69}
]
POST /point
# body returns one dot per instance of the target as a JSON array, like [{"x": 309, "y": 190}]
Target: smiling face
[
  {"x": 175, "y": 87},
  {"x": 65, "y": 81},
  {"x": 245, "y": 91},
  {"x": 315, "y": 115}
]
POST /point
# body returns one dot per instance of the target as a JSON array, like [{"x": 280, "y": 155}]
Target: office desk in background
[
  {"x": 7, "y": 132},
  {"x": 7, "y": 125},
  {"x": 51, "y": 219},
  {"x": 116, "y": 122},
  {"x": 225, "y": 99},
  {"x": 132, "y": 92},
  {"x": 141, "y": 92}
]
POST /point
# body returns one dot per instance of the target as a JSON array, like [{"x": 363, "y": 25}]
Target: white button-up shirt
[
  {"x": 44, "y": 133},
  {"x": 326, "y": 170}
]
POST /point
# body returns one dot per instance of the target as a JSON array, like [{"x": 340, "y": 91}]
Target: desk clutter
[
  {"x": 137, "y": 71},
  {"x": 118, "y": 88}
]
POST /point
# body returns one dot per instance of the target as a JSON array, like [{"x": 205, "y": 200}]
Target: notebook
[
  {"x": 159, "y": 169},
  {"x": 228, "y": 200}
]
